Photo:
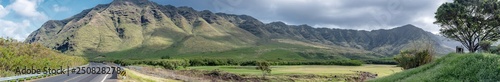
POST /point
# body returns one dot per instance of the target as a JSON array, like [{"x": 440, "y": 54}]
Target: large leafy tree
[{"x": 470, "y": 21}]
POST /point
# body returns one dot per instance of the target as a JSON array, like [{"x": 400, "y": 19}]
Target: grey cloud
[{"x": 349, "y": 14}]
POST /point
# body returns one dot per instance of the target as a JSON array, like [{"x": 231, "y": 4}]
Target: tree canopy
[{"x": 469, "y": 21}]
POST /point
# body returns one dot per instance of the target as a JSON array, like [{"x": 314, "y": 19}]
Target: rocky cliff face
[{"x": 129, "y": 24}]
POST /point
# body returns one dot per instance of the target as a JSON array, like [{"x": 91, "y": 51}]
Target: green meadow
[{"x": 381, "y": 70}]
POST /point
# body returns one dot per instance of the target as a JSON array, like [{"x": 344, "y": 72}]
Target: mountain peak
[
  {"x": 134, "y": 1},
  {"x": 126, "y": 2},
  {"x": 409, "y": 27},
  {"x": 278, "y": 23}
]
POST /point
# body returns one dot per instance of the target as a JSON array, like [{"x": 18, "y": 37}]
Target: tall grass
[
  {"x": 452, "y": 68},
  {"x": 14, "y": 54}
]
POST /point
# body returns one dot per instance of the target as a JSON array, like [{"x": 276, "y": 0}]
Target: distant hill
[{"x": 144, "y": 29}]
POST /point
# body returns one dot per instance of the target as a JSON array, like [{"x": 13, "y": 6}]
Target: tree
[
  {"x": 469, "y": 21},
  {"x": 264, "y": 67}
]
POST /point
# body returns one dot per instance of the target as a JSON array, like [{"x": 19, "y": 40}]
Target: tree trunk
[{"x": 472, "y": 50}]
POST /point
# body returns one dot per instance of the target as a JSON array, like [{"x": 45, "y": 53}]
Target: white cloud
[
  {"x": 426, "y": 23},
  {"x": 27, "y": 8},
  {"x": 425, "y": 19},
  {"x": 13, "y": 29},
  {"x": 3, "y": 11},
  {"x": 58, "y": 8}
]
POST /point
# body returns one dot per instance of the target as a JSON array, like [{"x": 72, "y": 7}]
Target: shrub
[
  {"x": 176, "y": 63},
  {"x": 171, "y": 64},
  {"x": 165, "y": 57},
  {"x": 418, "y": 53},
  {"x": 264, "y": 67},
  {"x": 248, "y": 63},
  {"x": 414, "y": 58},
  {"x": 388, "y": 61}
]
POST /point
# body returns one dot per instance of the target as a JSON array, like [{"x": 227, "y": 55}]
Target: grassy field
[
  {"x": 452, "y": 68},
  {"x": 381, "y": 70}
]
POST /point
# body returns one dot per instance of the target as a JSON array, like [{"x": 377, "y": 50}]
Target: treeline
[
  {"x": 387, "y": 61},
  {"x": 178, "y": 63},
  {"x": 15, "y": 54},
  {"x": 165, "y": 63},
  {"x": 219, "y": 62}
]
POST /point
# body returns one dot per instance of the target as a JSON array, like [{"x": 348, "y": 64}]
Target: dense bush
[
  {"x": 320, "y": 62},
  {"x": 213, "y": 62},
  {"x": 414, "y": 58},
  {"x": 165, "y": 57},
  {"x": 495, "y": 49},
  {"x": 389, "y": 61},
  {"x": 167, "y": 64},
  {"x": 176, "y": 63},
  {"x": 14, "y": 54},
  {"x": 218, "y": 62}
]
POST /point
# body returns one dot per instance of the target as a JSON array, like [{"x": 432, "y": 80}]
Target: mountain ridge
[{"x": 127, "y": 25}]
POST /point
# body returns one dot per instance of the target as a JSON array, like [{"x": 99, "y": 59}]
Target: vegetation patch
[
  {"x": 183, "y": 63},
  {"x": 307, "y": 73},
  {"x": 14, "y": 54},
  {"x": 165, "y": 63},
  {"x": 453, "y": 67},
  {"x": 381, "y": 70}
]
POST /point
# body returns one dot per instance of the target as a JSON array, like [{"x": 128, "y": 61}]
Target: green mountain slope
[
  {"x": 123, "y": 25},
  {"x": 144, "y": 29},
  {"x": 452, "y": 68}
]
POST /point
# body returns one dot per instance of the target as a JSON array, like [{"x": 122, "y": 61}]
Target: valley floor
[
  {"x": 279, "y": 73},
  {"x": 381, "y": 70}
]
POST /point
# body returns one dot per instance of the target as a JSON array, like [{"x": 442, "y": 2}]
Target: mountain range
[{"x": 141, "y": 29}]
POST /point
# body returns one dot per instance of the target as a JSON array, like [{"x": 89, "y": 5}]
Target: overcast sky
[{"x": 18, "y": 18}]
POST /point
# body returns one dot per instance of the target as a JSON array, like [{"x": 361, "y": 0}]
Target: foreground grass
[
  {"x": 381, "y": 70},
  {"x": 452, "y": 68}
]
